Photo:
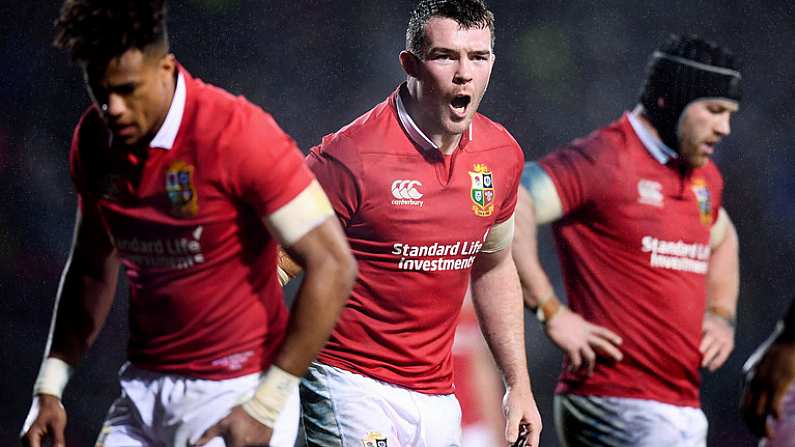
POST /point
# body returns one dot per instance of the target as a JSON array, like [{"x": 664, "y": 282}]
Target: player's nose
[
  {"x": 463, "y": 73},
  {"x": 116, "y": 106},
  {"x": 723, "y": 126}
]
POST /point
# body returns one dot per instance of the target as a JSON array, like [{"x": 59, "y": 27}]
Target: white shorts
[
  {"x": 590, "y": 421},
  {"x": 342, "y": 409},
  {"x": 165, "y": 410},
  {"x": 784, "y": 427}
]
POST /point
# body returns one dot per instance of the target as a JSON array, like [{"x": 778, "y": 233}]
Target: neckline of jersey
[{"x": 415, "y": 134}]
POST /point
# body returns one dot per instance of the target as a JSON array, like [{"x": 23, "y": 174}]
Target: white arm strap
[
  {"x": 304, "y": 213},
  {"x": 546, "y": 201},
  {"x": 499, "y": 237}
]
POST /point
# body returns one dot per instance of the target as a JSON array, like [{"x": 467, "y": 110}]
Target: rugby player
[
  {"x": 425, "y": 189},
  {"x": 649, "y": 256},
  {"x": 189, "y": 188}
]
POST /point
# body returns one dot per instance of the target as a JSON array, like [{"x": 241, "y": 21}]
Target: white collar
[
  {"x": 164, "y": 139},
  {"x": 416, "y": 135},
  {"x": 659, "y": 150}
]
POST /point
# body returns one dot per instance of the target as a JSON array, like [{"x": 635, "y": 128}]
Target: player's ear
[
  {"x": 168, "y": 62},
  {"x": 166, "y": 66},
  {"x": 410, "y": 63}
]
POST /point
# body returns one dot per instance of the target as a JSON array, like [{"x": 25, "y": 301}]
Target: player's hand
[
  {"x": 582, "y": 341},
  {"x": 520, "y": 407},
  {"x": 238, "y": 429},
  {"x": 46, "y": 419},
  {"x": 769, "y": 373},
  {"x": 717, "y": 342}
]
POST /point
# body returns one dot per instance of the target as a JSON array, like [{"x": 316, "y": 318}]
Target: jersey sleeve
[
  {"x": 717, "y": 181},
  {"x": 546, "y": 202},
  {"x": 82, "y": 170},
  {"x": 264, "y": 167},
  {"x": 86, "y": 201},
  {"x": 576, "y": 174},
  {"x": 336, "y": 176}
]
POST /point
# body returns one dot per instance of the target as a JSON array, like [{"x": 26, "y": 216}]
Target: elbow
[{"x": 348, "y": 269}]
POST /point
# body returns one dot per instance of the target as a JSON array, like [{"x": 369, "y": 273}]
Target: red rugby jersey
[
  {"x": 634, "y": 250},
  {"x": 415, "y": 220},
  {"x": 204, "y": 298}
]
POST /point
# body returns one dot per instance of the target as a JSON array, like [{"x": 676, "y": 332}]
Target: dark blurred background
[{"x": 563, "y": 68}]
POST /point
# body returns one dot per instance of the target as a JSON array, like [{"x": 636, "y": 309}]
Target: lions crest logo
[
  {"x": 374, "y": 439},
  {"x": 482, "y": 192},
  {"x": 181, "y": 190},
  {"x": 704, "y": 199}
]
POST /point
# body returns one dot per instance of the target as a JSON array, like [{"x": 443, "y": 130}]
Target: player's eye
[
  {"x": 443, "y": 56},
  {"x": 124, "y": 89}
]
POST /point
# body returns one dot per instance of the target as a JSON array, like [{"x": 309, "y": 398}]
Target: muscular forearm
[
  {"x": 329, "y": 273},
  {"x": 723, "y": 276},
  {"x": 497, "y": 300},
  {"x": 85, "y": 295},
  {"x": 536, "y": 287},
  {"x": 86, "y": 291},
  {"x": 535, "y": 284},
  {"x": 81, "y": 308},
  {"x": 318, "y": 303}
]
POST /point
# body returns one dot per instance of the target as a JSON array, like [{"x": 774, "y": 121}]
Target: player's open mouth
[
  {"x": 709, "y": 147},
  {"x": 123, "y": 130},
  {"x": 459, "y": 104}
]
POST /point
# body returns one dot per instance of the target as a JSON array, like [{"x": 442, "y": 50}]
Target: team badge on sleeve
[
  {"x": 704, "y": 200},
  {"x": 181, "y": 190},
  {"x": 482, "y": 193},
  {"x": 374, "y": 439}
]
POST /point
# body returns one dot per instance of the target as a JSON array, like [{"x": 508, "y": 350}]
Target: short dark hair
[
  {"x": 467, "y": 13},
  {"x": 97, "y": 31}
]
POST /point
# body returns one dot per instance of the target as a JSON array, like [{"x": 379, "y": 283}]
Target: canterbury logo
[{"x": 406, "y": 189}]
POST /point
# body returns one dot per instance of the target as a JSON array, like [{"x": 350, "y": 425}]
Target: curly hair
[
  {"x": 467, "y": 13},
  {"x": 96, "y": 31}
]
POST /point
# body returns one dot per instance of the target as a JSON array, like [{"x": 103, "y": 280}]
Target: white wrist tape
[
  {"x": 271, "y": 395},
  {"x": 53, "y": 376}
]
